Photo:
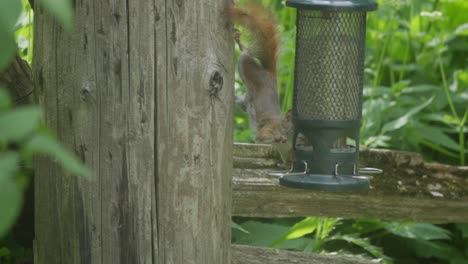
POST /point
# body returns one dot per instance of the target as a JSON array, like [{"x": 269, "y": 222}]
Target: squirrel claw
[{"x": 236, "y": 35}]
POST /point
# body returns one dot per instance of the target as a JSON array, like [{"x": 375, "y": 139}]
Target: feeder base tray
[{"x": 329, "y": 183}]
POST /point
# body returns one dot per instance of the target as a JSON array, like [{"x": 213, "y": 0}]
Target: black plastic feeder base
[{"x": 329, "y": 183}]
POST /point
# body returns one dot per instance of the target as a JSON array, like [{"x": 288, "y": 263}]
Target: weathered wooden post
[{"x": 140, "y": 91}]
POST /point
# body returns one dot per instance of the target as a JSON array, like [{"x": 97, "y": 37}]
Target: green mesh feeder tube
[{"x": 327, "y": 104}]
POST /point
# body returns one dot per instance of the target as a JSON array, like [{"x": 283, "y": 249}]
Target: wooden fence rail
[
  {"x": 409, "y": 189},
  {"x": 258, "y": 255}
]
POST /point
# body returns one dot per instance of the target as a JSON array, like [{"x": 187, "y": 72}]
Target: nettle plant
[
  {"x": 22, "y": 133},
  {"x": 416, "y": 85},
  {"x": 416, "y": 94},
  {"x": 416, "y": 99}
]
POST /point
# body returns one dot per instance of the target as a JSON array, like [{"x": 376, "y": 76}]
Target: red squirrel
[{"x": 257, "y": 67}]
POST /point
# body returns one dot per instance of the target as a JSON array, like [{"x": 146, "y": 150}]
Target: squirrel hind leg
[{"x": 250, "y": 71}]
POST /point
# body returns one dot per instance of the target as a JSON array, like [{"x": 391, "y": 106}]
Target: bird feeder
[{"x": 327, "y": 104}]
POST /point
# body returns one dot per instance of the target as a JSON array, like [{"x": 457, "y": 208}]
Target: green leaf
[
  {"x": 366, "y": 225},
  {"x": 62, "y": 10},
  {"x": 11, "y": 199},
  {"x": 262, "y": 234},
  {"x": 463, "y": 229},
  {"x": 377, "y": 141},
  {"x": 361, "y": 242},
  {"x": 7, "y": 49},
  {"x": 5, "y": 101},
  {"x": 9, "y": 164},
  {"x": 46, "y": 144},
  {"x": 422, "y": 88},
  {"x": 427, "y": 249},
  {"x": 437, "y": 136},
  {"x": 419, "y": 231},
  {"x": 307, "y": 226},
  {"x": 9, "y": 12},
  {"x": 459, "y": 260},
  {"x": 4, "y": 252},
  {"x": 236, "y": 226},
  {"x": 436, "y": 147},
  {"x": 403, "y": 120},
  {"x": 19, "y": 123},
  {"x": 436, "y": 117},
  {"x": 462, "y": 30},
  {"x": 327, "y": 225}
]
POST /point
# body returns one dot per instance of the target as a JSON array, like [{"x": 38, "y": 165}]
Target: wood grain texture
[
  {"x": 257, "y": 255},
  {"x": 194, "y": 106},
  {"x": 409, "y": 189},
  {"x": 129, "y": 91},
  {"x": 17, "y": 79}
]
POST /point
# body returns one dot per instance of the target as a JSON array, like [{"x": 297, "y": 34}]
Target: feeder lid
[{"x": 334, "y": 5}]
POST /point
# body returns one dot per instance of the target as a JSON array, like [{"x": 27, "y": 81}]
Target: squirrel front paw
[
  {"x": 236, "y": 34},
  {"x": 271, "y": 132}
]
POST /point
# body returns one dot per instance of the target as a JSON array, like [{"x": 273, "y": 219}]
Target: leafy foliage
[
  {"x": 388, "y": 242},
  {"x": 24, "y": 32},
  {"x": 10, "y": 11},
  {"x": 22, "y": 133},
  {"x": 417, "y": 50},
  {"x": 61, "y": 10},
  {"x": 416, "y": 99}
]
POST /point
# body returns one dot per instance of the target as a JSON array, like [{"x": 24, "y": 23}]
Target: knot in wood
[
  {"x": 85, "y": 93},
  {"x": 216, "y": 85}
]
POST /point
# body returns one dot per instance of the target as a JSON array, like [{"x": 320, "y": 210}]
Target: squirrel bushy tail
[
  {"x": 257, "y": 67},
  {"x": 264, "y": 33}
]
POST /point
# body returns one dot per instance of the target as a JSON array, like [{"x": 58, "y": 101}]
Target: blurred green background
[
  {"x": 415, "y": 99},
  {"x": 416, "y": 77}
]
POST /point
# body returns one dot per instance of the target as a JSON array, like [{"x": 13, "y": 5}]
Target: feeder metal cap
[{"x": 334, "y": 5}]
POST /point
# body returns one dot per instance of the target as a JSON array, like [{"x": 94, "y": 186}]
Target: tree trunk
[{"x": 142, "y": 92}]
